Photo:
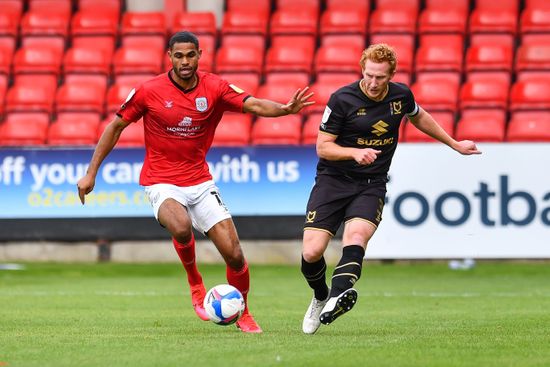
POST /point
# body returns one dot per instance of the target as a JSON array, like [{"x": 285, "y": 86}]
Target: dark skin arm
[
  {"x": 105, "y": 145},
  {"x": 267, "y": 108}
]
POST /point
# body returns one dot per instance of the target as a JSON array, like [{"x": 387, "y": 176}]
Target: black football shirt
[{"x": 360, "y": 122}]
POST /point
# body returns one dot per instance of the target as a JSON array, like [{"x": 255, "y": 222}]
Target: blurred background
[{"x": 480, "y": 67}]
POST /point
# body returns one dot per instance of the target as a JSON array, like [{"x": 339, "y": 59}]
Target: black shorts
[{"x": 337, "y": 199}]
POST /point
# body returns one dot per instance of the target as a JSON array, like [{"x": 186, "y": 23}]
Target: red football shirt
[{"x": 179, "y": 125}]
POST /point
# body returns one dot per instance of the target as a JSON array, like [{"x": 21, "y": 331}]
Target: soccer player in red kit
[{"x": 181, "y": 110}]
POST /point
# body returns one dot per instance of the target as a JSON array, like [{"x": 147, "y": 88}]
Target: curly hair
[{"x": 379, "y": 52}]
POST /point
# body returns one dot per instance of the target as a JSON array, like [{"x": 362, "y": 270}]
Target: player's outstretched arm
[
  {"x": 426, "y": 123},
  {"x": 267, "y": 108},
  {"x": 106, "y": 143}
]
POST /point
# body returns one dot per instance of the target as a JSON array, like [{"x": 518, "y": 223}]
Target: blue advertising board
[{"x": 41, "y": 183}]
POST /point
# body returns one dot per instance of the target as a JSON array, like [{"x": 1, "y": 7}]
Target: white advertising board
[{"x": 444, "y": 205}]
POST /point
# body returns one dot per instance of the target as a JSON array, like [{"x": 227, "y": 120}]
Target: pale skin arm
[
  {"x": 426, "y": 123},
  {"x": 105, "y": 145},
  {"x": 329, "y": 150},
  {"x": 267, "y": 108}
]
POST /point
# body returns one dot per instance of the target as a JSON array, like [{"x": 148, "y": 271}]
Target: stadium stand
[
  {"x": 285, "y": 130},
  {"x": 531, "y": 126},
  {"x": 73, "y": 130},
  {"x": 233, "y": 130},
  {"x": 467, "y": 61}
]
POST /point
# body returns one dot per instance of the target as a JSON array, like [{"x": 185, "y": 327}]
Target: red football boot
[
  {"x": 197, "y": 298},
  {"x": 247, "y": 324}
]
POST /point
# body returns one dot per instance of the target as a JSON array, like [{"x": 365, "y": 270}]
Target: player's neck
[{"x": 185, "y": 84}]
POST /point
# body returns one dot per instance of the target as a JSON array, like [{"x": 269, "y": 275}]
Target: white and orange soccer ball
[{"x": 224, "y": 304}]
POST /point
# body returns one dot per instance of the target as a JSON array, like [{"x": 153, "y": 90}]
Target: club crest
[{"x": 201, "y": 103}]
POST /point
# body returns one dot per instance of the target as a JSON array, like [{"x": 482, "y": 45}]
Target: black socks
[
  {"x": 315, "y": 276},
  {"x": 348, "y": 270}
]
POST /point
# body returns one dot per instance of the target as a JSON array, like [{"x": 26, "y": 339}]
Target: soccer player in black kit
[{"x": 356, "y": 142}]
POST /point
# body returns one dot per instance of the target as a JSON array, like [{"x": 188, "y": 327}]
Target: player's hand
[
  {"x": 467, "y": 147},
  {"x": 85, "y": 185},
  {"x": 366, "y": 156},
  {"x": 298, "y": 101}
]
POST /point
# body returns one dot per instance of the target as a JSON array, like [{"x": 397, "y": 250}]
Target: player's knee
[
  {"x": 235, "y": 258},
  {"x": 312, "y": 254},
  {"x": 182, "y": 234}
]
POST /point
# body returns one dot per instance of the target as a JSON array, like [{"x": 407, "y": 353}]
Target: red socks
[
  {"x": 240, "y": 279},
  {"x": 186, "y": 252}
]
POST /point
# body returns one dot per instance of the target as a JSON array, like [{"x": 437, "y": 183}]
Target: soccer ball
[{"x": 224, "y": 304}]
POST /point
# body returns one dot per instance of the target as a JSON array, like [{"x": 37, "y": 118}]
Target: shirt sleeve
[
  {"x": 333, "y": 118},
  {"x": 232, "y": 97},
  {"x": 134, "y": 107},
  {"x": 412, "y": 106}
]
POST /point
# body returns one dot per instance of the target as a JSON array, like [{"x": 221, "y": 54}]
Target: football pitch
[{"x": 417, "y": 314}]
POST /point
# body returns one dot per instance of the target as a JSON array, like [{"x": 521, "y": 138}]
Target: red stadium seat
[
  {"x": 94, "y": 22},
  {"x": 111, "y": 8},
  {"x": 361, "y": 6},
  {"x": 200, "y": 23},
  {"x": 311, "y": 6},
  {"x": 37, "y": 61},
  {"x": 344, "y": 21},
  {"x": 411, "y": 6},
  {"x": 249, "y": 82},
  {"x": 352, "y": 40},
  {"x": 481, "y": 125},
  {"x": 510, "y": 5},
  {"x": 22, "y": 129},
  {"x": 259, "y": 6},
  {"x": 294, "y": 22},
  {"x": 532, "y": 58},
  {"x": 63, "y": 7},
  {"x": 341, "y": 58},
  {"x": 102, "y": 43},
  {"x": 87, "y": 60},
  {"x": 9, "y": 19},
  {"x": 489, "y": 57},
  {"x": 529, "y": 127},
  {"x": 392, "y": 20},
  {"x": 73, "y": 131},
  {"x": 462, "y": 5},
  {"x": 290, "y": 54},
  {"x": 23, "y": 97},
  {"x": 45, "y": 24},
  {"x": 3, "y": 89},
  {"x": 275, "y": 131},
  {"x": 536, "y": 4},
  {"x": 239, "y": 58},
  {"x": 436, "y": 95},
  {"x": 530, "y": 95},
  {"x": 245, "y": 22},
  {"x": 116, "y": 95},
  {"x": 535, "y": 20},
  {"x": 144, "y": 29},
  {"x": 6, "y": 57},
  {"x": 412, "y": 135},
  {"x": 440, "y": 53},
  {"x": 233, "y": 130},
  {"x": 495, "y": 39},
  {"x": 311, "y": 128},
  {"x": 134, "y": 60},
  {"x": 280, "y": 91},
  {"x": 80, "y": 98},
  {"x": 292, "y": 78},
  {"x": 492, "y": 20},
  {"x": 132, "y": 136},
  {"x": 40, "y": 118},
  {"x": 486, "y": 94},
  {"x": 323, "y": 90},
  {"x": 443, "y": 20}
]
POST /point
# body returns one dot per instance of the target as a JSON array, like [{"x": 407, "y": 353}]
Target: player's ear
[{"x": 200, "y": 52}]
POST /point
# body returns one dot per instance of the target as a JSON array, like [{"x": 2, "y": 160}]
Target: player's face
[
  {"x": 185, "y": 59},
  {"x": 376, "y": 76}
]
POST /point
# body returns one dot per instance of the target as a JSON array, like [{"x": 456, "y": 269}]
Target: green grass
[{"x": 497, "y": 314}]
